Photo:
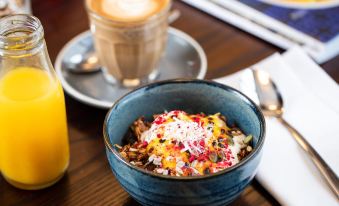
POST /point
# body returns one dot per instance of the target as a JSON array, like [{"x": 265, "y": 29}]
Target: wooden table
[{"x": 89, "y": 180}]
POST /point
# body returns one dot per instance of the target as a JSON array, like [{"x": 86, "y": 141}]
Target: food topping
[{"x": 180, "y": 144}]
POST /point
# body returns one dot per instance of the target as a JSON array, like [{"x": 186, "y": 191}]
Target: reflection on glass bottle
[{"x": 34, "y": 148}]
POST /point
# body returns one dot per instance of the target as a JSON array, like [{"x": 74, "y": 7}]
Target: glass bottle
[{"x": 34, "y": 147}]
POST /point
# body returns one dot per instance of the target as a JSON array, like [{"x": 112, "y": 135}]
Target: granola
[{"x": 181, "y": 144}]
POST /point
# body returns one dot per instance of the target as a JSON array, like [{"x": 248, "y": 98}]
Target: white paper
[{"x": 311, "y": 101}]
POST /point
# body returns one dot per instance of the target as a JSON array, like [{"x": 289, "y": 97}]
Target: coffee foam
[{"x": 128, "y": 10}]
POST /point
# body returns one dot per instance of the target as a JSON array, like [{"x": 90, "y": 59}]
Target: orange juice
[{"x": 34, "y": 151}]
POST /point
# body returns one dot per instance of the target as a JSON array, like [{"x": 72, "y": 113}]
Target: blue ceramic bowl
[{"x": 192, "y": 96}]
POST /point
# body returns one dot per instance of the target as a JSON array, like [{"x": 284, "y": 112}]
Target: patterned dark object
[
  {"x": 322, "y": 24},
  {"x": 192, "y": 96}
]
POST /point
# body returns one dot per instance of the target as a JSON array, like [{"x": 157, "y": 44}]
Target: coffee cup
[{"x": 130, "y": 37}]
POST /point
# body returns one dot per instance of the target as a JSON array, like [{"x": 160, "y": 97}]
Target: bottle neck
[
  {"x": 22, "y": 44},
  {"x": 20, "y": 35}
]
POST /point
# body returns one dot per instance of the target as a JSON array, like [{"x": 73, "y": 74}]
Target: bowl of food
[
  {"x": 184, "y": 142},
  {"x": 304, "y": 4}
]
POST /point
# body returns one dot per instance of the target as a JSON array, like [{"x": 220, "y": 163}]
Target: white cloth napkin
[{"x": 311, "y": 101}]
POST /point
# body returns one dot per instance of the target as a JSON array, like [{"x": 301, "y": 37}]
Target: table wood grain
[{"x": 89, "y": 180}]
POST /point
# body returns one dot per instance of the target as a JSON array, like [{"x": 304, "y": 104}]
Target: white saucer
[{"x": 184, "y": 58}]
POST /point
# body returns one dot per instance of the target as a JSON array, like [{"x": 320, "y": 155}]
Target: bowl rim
[{"x": 261, "y": 138}]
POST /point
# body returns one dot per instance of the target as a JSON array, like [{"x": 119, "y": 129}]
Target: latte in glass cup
[{"x": 129, "y": 37}]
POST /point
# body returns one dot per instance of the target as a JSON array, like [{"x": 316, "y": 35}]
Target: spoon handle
[
  {"x": 328, "y": 174},
  {"x": 173, "y": 15}
]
